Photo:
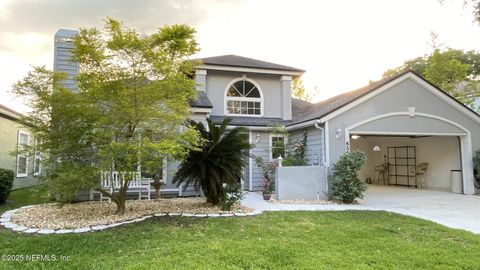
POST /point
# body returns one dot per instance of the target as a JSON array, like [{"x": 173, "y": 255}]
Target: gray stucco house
[{"x": 403, "y": 120}]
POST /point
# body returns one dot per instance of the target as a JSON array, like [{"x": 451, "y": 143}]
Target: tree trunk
[{"x": 120, "y": 206}]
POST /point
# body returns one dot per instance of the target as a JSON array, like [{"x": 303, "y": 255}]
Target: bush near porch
[{"x": 280, "y": 240}]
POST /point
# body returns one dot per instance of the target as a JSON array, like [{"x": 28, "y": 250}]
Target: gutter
[{"x": 324, "y": 159}]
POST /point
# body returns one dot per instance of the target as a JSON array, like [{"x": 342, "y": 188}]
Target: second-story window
[{"x": 243, "y": 97}]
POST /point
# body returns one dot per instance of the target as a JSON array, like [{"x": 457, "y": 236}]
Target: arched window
[{"x": 243, "y": 97}]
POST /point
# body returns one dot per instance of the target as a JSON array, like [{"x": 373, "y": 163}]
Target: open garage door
[{"x": 406, "y": 157}]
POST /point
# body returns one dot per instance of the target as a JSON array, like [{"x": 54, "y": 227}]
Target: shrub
[
  {"x": 294, "y": 161},
  {"x": 346, "y": 186},
  {"x": 232, "y": 194},
  {"x": 6, "y": 184}
]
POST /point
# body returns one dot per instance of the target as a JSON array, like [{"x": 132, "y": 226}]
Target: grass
[{"x": 280, "y": 240}]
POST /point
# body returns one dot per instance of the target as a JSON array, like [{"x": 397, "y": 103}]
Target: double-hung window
[
  {"x": 37, "y": 158},
  {"x": 22, "y": 156},
  {"x": 277, "y": 146}
]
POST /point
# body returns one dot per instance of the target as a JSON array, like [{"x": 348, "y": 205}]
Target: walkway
[{"x": 452, "y": 210}]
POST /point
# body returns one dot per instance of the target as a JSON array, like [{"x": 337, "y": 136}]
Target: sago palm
[{"x": 220, "y": 159}]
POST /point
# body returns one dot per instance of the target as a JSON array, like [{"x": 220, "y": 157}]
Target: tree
[
  {"x": 218, "y": 163},
  {"x": 455, "y": 71},
  {"x": 298, "y": 90},
  {"x": 133, "y": 93}
]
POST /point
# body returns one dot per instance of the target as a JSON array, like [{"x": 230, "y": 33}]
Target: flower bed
[{"x": 87, "y": 216}]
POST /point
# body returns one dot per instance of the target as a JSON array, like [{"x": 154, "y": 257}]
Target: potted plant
[{"x": 267, "y": 169}]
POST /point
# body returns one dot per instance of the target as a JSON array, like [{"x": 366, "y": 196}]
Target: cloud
[{"x": 45, "y": 16}]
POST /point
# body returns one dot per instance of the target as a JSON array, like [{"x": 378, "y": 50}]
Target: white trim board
[{"x": 389, "y": 85}]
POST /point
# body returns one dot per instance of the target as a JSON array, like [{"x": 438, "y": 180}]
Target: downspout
[{"x": 324, "y": 158}]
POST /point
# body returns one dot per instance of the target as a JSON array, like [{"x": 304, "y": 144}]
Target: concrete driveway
[{"x": 452, "y": 210}]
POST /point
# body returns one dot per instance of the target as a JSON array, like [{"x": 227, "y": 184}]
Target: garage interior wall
[{"x": 442, "y": 153}]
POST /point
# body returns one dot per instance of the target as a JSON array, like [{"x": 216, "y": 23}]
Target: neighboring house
[
  {"x": 381, "y": 119},
  {"x": 14, "y": 136}
]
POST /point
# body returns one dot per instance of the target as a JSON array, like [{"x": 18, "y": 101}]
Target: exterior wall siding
[
  {"x": 314, "y": 150},
  {"x": 8, "y": 144},
  {"x": 260, "y": 149}
]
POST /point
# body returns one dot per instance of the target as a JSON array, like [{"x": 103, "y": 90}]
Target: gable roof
[
  {"x": 326, "y": 107},
  {"x": 231, "y": 60}
]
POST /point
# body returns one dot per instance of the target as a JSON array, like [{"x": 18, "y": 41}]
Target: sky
[{"x": 342, "y": 45}]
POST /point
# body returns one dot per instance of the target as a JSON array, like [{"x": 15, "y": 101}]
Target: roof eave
[{"x": 251, "y": 70}]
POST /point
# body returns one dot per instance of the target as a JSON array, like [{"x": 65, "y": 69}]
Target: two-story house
[{"x": 399, "y": 122}]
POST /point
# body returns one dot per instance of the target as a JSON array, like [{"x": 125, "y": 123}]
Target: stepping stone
[
  {"x": 5, "y": 220},
  {"x": 62, "y": 231},
  {"x": 160, "y": 215},
  {"x": 99, "y": 227},
  {"x": 82, "y": 230},
  {"x": 174, "y": 214},
  {"x": 114, "y": 225},
  {"x": 31, "y": 230},
  {"x": 146, "y": 217},
  {"x": 26, "y": 206},
  {"x": 200, "y": 215},
  {"x": 139, "y": 219},
  {"x": 187, "y": 215},
  {"x": 240, "y": 214},
  {"x": 45, "y": 231},
  {"x": 6, "y": 215},
  {"x": 226, "y": 215},
  {"x": 19, "y": 228},
  {"x": 213, "y": 215}
]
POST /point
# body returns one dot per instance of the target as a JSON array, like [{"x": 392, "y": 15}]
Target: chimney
[{"x": 62, "y": 56}]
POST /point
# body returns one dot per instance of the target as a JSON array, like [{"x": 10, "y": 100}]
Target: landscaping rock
[
  {"x": 45, "y": 231},
  {"x": 31, "y": 230},
  {"x": 99, "y": 227},
  {"x": 82, "y": 230},
  {"x": 62, "y": 231},
  {"x": 19, "y": 228},
  {"x": 87, "y": 214}
]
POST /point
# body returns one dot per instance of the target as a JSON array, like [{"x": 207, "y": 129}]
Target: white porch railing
[{"x": 114, "y": 180}]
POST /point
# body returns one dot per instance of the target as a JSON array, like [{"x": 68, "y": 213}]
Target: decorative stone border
[{"x": 6, "y": 221}]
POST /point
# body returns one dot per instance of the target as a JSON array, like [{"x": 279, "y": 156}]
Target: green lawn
[{"x": 282, "y": 240}]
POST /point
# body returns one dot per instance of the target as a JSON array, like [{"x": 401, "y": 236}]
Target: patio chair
[
  {"x": 420, "y": 171},
  {"x": 383, "y": 172}
]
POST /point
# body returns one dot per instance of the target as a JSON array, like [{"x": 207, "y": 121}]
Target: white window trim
[
  {"x": 270, "y": 144},
  {"x": 35, "y": 157},
  {"x": 20, "y": 132},
  {"x": 227, "y": 98}
]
